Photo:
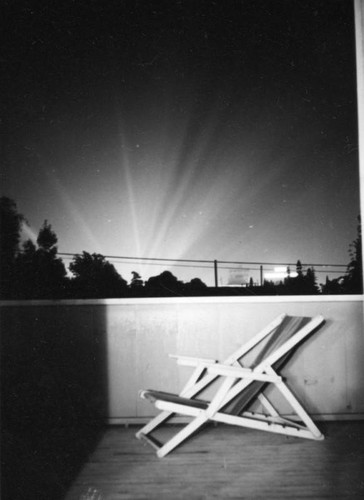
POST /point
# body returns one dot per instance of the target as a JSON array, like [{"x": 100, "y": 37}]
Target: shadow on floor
[
  {"x": 42, "y": 464},
  {"x": 54, "y": 397}
]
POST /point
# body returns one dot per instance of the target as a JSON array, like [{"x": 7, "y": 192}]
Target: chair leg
[
  {"x": 301, "y": 412},
  {"x": 154, "y": 423},
  {"x": 182, "y": 435},
  {"x": 298, "y": 408}
]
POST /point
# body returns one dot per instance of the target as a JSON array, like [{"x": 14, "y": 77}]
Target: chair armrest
[
  {"x": 240, "y": 372},
  {"x": 191, "y": 361}
]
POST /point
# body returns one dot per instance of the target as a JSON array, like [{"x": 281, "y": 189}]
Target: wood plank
[{"x": 226, "y": 462}]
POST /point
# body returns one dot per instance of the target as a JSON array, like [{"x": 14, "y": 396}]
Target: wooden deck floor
[{"x": 227, "y": 462}]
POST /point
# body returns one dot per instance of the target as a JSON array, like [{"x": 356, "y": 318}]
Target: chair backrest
[
  {"x": 272, "y": 347},
  {"x": 275, "y": 350},
  {"x": 279, "y": 336}
]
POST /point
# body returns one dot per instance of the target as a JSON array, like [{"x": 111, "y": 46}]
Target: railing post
[
  {"x": 215, "y": 272},
  {"x": 261, "y": 275}
]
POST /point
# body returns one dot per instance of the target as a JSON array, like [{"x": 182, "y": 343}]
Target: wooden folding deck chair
[{"x": 239, "y": 387}]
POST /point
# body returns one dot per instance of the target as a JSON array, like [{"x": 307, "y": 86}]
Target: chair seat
[{"x": 153, "y": 396}]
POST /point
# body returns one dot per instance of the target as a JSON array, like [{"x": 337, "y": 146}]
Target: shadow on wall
[{"x": 54, "y": 397}]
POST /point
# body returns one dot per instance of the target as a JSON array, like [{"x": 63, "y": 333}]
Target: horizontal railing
[{"x": 217, "y": 272}]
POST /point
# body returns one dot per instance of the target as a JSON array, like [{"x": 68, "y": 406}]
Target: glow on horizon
[
  {"x": 279, "y": 273},
  {"x": 169, "y": 206},
  {"x": 28, "y": 233}
]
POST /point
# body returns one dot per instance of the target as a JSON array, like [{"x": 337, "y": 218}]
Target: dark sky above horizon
[{"x": 184, "y": 129}]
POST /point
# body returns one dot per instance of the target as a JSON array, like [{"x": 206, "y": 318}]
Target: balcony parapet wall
[{"x": 82, "y": 359}]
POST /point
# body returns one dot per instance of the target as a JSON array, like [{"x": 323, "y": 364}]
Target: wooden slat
[{"x": 225, "y": 462}]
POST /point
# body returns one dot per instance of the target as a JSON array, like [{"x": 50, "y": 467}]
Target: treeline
[
  {"x": 31, "y": 270},
  {"x": 35, "y": 271},
  {"x": 305, "y": 282}
]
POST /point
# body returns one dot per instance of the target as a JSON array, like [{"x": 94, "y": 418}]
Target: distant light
[
  {"x": 280, "y": 270},
  {"x": 279, "y": 274}
]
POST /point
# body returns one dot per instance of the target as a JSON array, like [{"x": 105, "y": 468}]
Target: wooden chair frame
[{"x": 235, "y": 380}]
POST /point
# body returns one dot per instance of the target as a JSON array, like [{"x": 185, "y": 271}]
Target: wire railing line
[
  {"x": 252, "y": 268},
  {"x": 123, "y": 257},
  {"x": 212, "y": 261}
]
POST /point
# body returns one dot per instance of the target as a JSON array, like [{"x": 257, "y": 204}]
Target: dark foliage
[
  {"x": 10, "y": 226},
  {"x": 39, "y": 273},
  {"x": 164, "y": 285},
  {"x": 352, "y": 282},
  {"x": 195, "y": 287},
  {"x": 95, "y": 277},
  {"x": 34, "y": 271},
  {"x": 302, "y": 284}
]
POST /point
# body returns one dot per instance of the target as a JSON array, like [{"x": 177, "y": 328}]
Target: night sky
[{"x": 183, "y": 129}]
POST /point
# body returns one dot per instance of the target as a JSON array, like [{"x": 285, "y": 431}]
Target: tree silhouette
[
  {"x": 334, "y": 286},
  {"x": 195, "y": 287},
  {"x": 47, "y": 238},
  {"x": 40, "y": 274},
  {"x": 165, "y": 284},
  {"x": 302, "y": 284},
  {"x": 299, "y": 269},
  {"x": 269, "y": 288},
  {"x": 136, "y": 281},
  {"x": 95, "y": 277},
  {"x": 136, "y": 287},
  {"x": 311, "y": 287},
  {"x": 11, "y": 222},
  {"x": 353, "y": 281}
]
